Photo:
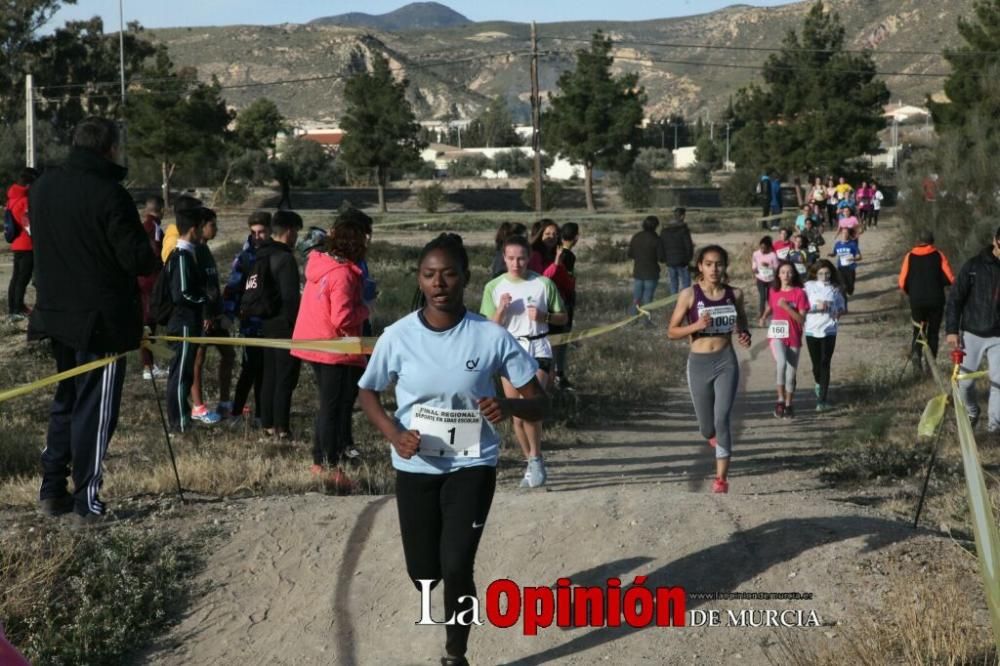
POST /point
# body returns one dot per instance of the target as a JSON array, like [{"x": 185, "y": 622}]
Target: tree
[
  {"x": 70, "y": 63},
  {"x": 969, "y": 85},
  {"x": 305, "y": 163},
  {"x": 20, "y": 22},
  {"x": 595, "y": 119},
  {"x": 258, "y": 125},
  {"x": 380, "y": 129},
  {"x": 819, "y": 107},
  {"x": 177, "y": 121},
  {"x": 708, "y": 152},
  {"x": 493, "y": 128}
]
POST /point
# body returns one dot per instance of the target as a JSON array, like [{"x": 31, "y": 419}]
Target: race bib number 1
[
  {"x": 447, "y": 433},
  {"x": 778, "y": 330}
]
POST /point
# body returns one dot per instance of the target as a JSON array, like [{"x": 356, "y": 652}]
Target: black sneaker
[
  {"x": 454, "y": 661},
  {"x": 789, "y": 412},
  {"x": 53, "y": 507},
  {"x": 563, "y": 384}
]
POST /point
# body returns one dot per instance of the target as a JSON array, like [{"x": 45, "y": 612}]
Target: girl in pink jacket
[{"x": 332, "y": 307}]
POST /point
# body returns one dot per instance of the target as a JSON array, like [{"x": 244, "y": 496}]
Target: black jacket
[
  {"x": 210, "y": 278},
  {"x": 89, "y": 249},
  {"x": 924, "y": 275},
  {"x": 285, "y": 272},
  {"x": 678, "y": 248},
  {"x": 187, "y": 291},
  {"x": 646, "y": 250},
  {"x": 973, "y": 301}
]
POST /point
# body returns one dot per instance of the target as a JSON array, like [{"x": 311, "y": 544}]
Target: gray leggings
[
  {"x": 713, "y": 379},
  {"x": 786, "y": 360}
]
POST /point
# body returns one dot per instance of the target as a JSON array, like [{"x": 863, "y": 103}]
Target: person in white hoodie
[{"x": 826, "y": 304}]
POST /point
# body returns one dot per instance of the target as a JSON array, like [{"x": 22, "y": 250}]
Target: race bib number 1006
[{"x": 447, "y": 433}]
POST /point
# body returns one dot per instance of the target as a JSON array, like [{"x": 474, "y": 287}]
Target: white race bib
[
  {"x": 765, "y": 273},
  {"x": 778, "y": 330},
  {"x": 783, "y": 252},
  {"x": 846, "y": 259},
  {"x": 723, "y": 319},
  {"x": 801, "y": 268},
  {"x": 447, "y": 433},
  {"x": 813, "y": 249}
]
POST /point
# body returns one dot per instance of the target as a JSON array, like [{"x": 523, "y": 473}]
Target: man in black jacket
[
  {"x": 972, "y": 322},
  {"x": 281, "y": 369},
  {"x": 923, "y": 277},
  {"x": 646, "y": 252},
  {"x": 89, "y": 249},
  {"x": 678, "y": 251}
]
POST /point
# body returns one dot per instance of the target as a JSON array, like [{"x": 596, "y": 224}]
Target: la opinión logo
[{"x": 566, "y": 605}]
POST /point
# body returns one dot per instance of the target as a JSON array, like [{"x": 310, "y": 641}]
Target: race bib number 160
[{"x": 447, "y": 433}]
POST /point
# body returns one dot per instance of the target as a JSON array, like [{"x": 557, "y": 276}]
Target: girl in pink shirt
[
  {"x": 764, "y": 264},
  {"x": 787, "y": 306}
]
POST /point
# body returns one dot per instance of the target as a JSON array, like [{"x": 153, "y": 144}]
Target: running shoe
[
  {"x": 563, "y": 384},
  {"x": 536, "y": 472},
  {"x": 203, "y": 414},
  {"x": 454, "y": 661},
  {"x": 720, "y": 486},
  {"x": 526, "y": 481},
  {"x": 147, "y": 374},
  {"x": 339, "y": 482},
  {"x": 352, "y": 453},
  {"x": 779, "y": 410},
  {"x": 789, "y": 412},
  {"x": 224, "y": 409},
  {"x": 973, "y": 420}
]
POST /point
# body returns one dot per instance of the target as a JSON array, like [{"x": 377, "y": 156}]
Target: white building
[{"x": 442, "y": 155}]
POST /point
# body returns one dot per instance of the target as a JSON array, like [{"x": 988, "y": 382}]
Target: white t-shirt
[
  {"x": 533, "y": 291},
  {"x": 877, "y": 200},
  {"x": 822, "y": 324}
]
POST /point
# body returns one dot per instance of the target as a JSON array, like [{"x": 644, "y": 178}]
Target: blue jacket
[{"x": 233, "y": 292}]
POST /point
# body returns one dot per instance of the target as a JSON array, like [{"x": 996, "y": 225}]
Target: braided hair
[{"x": 451, "y": 244}]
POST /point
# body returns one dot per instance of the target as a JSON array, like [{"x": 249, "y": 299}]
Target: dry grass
[{"x": 936, "y": 618}]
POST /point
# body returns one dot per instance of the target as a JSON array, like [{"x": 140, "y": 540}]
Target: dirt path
[{"x": 321, "y": 580}]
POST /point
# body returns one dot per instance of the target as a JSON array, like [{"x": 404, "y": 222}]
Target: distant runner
[{"x": 826, "y": 304}]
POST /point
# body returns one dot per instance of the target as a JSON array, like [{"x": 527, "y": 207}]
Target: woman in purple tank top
[{"x": 710, "y": 312}]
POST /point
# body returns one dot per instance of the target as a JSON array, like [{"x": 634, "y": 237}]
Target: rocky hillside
[{"x": 459, "y": 68}]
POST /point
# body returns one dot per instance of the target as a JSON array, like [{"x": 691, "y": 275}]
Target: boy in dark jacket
[
  {"x": 646, "y": 252},
  {"x": 924, "y": 276},
  {"x": 219, "y": 328},
  {"x": 678, "y": 251},
  {"x": 281, "y": 369},
  {"x": 252, "y": 361},
  {"x": 972, "y": 322},
  {"x": 187, "y": 293}
]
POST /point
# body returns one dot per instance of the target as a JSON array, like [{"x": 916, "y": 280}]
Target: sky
[{"x": 159, "y": 14}]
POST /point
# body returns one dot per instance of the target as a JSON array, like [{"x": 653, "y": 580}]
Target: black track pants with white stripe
[
  {"x": 179, "y": 381},
  {"x": 82, "y": 420}
]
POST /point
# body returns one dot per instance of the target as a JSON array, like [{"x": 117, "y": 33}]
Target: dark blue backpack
[{"x": 11, "y": 229}]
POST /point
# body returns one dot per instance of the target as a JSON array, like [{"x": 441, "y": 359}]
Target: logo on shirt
[{"x": 471, "y": 365}]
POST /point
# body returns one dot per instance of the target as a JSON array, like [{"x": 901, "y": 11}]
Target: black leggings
[
  {"x": 24, "y": 266},
  {"x": 441, "y": 518},
  {"x": 931, "y": 315},
  {"x": 251, "y": 377},
  {"x": 338, "y": 388},
  {"x": 281, "y": 376},
  {"x": 821, "y": 353},
  {"x": 848, "y": 276}
]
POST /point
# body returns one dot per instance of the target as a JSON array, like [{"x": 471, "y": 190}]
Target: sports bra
[{"x": 722, "y": 312}]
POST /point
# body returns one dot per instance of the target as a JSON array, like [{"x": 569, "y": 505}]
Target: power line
[
  {"x": 778, "y": 49},
  {"x": 790, "y": 68}
]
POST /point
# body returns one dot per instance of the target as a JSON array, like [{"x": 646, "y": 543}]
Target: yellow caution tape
[
  {"x": 55, "y": 379},
  {"x": 984, "y": 525},
  {"x": 933, "y": 416},
  {"x": 366, "y": 345}
]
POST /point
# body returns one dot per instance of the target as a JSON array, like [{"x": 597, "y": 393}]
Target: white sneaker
[
  {"x": 147, "y": 374},
  {"x": 536, "y": 475}
]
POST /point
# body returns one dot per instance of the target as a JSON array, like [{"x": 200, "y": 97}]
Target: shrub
[
  {"x": 637, "y": 188},
  {"x": 90, "y": 598},
  {"x": 431, "y": 197},
  {"x": 470, "y": 166},
  {"x": 655, "y": 159},
  {"x": 551, "y": 194},
  {"x": 738, "y": 190},
  {"x": 606, "y": 250}
]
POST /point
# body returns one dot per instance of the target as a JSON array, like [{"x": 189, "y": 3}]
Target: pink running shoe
[{"x": 721, "y": 486}]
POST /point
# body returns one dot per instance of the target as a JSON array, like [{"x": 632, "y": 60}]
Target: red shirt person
[{"x": 21, "y": 245}]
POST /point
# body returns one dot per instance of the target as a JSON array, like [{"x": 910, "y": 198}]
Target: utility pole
[
  {"x": 728, "y": 124},
  {"x": 29, "y": 121},
  {"x": 121, "y": 72},
  {"x": 536, "y": 103}
]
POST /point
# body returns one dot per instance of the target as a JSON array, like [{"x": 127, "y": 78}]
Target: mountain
[
  {"x": 414, "y": 16},
  {"x": 689, "y": 65}
]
